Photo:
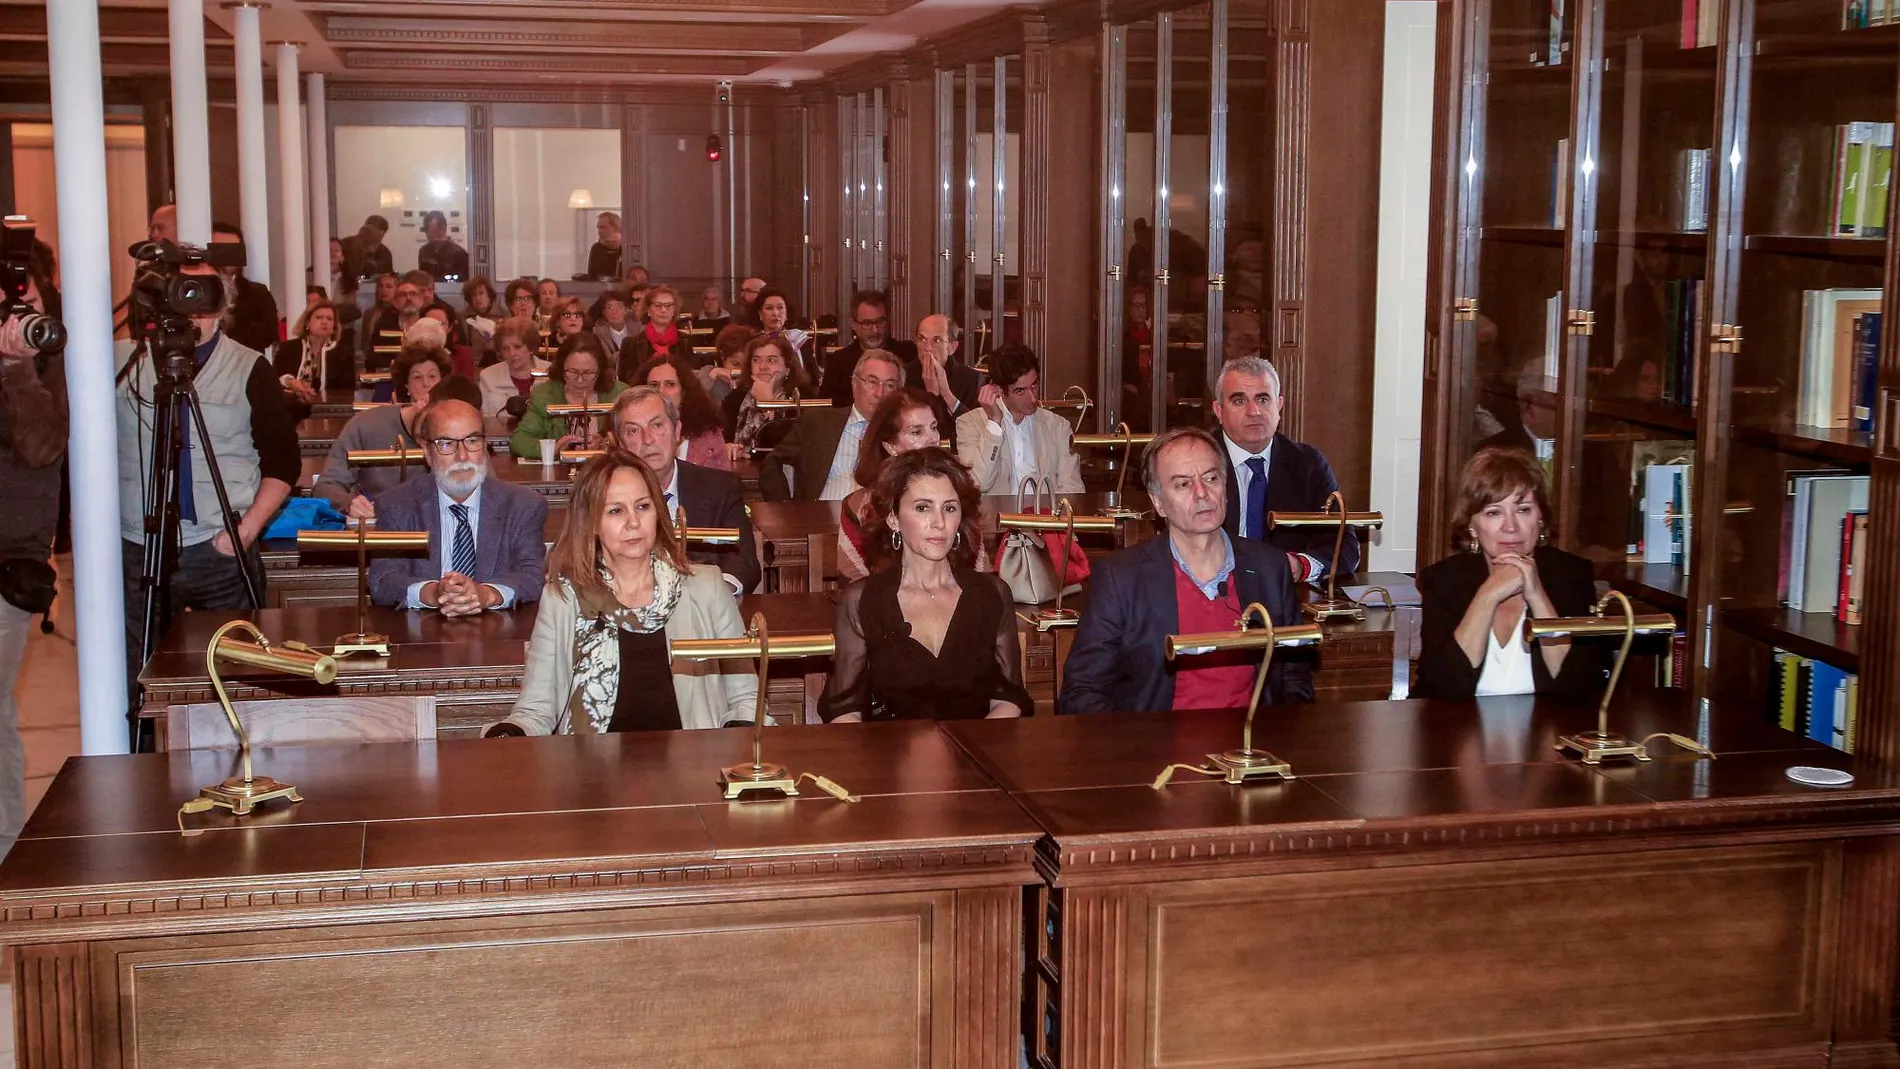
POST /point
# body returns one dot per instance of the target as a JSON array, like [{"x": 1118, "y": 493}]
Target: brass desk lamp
[
  {"x": 1239, "y": 766},
  {"x": 1594, "y": 746},
  {"x": 243, "y": 792},
  {"x": 702, "y": 536},
  {"x": 760, "y": 774},
  {"x": 365, "y": 406},
  {"x": 1128, "y": 440},
  {"x": 794, "y": 401},
  {"x": 1332, "y": 605},
  {"x": 1067, "y": 521},
  {"x": 375, "y": 378},
  {"x": 1075, "y": 397},
  {"x": 579, "y": 417},
  {"x": 362, "y": 640}
]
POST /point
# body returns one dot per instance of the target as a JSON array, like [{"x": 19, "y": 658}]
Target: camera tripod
[{"x": 174, "y": 403}]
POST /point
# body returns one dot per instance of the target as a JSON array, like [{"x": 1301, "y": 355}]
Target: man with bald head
[
  {"x": 164, "y": 224},
  {"x": 486, "y": 548},
  {"x": 746, "y": 313},
  {"x": 946, "y": 378}
]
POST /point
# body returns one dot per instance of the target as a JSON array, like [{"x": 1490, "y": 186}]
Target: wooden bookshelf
[{"x": 1643, "y": 361}]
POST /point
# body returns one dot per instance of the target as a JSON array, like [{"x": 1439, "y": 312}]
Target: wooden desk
[
  {"x": 572, "y": 901},
  {"x": 336, "y": 403},
  {"x": 473, "y": 664},
  {"x": 1440, "y": 888},
  {"x": 797, "y": 539}
]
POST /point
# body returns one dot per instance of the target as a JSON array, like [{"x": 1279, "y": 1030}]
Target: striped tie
[{"x": 463, "y": 558}]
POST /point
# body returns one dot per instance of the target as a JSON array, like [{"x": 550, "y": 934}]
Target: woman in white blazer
[{"x": 620, "y": 590}]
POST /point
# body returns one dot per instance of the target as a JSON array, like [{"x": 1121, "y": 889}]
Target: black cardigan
[{"x": 1446, "y": 588}]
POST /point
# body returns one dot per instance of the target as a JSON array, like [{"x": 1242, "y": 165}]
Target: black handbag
[{"x": 28, "y": 584}]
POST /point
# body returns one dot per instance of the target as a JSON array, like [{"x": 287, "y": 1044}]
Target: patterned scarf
[{"x": 597, "y": 639}]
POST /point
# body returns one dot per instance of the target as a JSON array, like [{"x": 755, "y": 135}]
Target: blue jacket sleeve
[
  {"x": 525, "y": 556},
  {"x": 1089, "y": 677},
  {"x": 390, "y": 576}
]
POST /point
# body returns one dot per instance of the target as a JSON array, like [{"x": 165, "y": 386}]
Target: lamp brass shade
[
  {"x": 365, "y": 458},
  {"x": 365, "y": 406},
  {"x": 1213, "y": 641},
  {"x": 1656, "y": 623},
  {"x": 374, "y": 540},
  {"x": 307, "y": 663},
  {"x": 1023, "y": 521},
  {"x": 780, "y": 404},
  {"x": 1325, "y": 519},
  {"x": 577, "y": 411},
  {"x": 796, "y": 644},
  {"x": 1082, "y": 441},
  {"x": 373, "y": 378}
]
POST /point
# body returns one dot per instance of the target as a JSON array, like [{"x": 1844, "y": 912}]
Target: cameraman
[
  {"x": 32, "y": 441},
  {"x": 255, "y": 442}
]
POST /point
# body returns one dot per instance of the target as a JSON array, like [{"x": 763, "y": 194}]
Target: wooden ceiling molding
[
  {"x": 712, "y": 66},
  {"x": 578, "y": 37}
]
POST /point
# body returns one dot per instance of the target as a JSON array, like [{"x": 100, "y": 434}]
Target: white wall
[
  {"x": 536, "y": 170},
  {"x": 1405, "y": 171},
  {"x": 426, "y": 166}
]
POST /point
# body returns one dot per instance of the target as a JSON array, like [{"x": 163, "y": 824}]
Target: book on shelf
[
  {"x": 1668, "y": 522},
  {"x": 1830, "y": 380},
  {"x": 1646, "y": 456},
  {"x": 1692, "y": 169},
  {"x": 1860, "y": 14},
  {"x": 1560, "y": 185},
  {"x": 1847, "y": 601},
  {"x": 1815, "y": 699},
  {"x": 1819, "y": 502},
  {"x": 1699, "y": 25},
  {"x": 1682, "y": 324},
  {"x": 1555, "y": 43},
  {"x": 1866, "y": 372},
  {"x": 1863, "y": 166},
  {"x": 1672, "y": 671},
  {"x": 1553, "y": 334}
]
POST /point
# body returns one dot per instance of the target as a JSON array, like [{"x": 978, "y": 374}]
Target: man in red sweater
[{"x": 1198, "y": 578}]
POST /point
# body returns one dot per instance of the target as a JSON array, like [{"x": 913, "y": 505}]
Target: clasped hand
[
  {"x": 456, "y": 594},
  {"x": 1511, "y": 575}
]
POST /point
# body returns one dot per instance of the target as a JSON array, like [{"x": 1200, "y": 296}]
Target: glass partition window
[
  {"x": 403, "y": 173},
  {"x": 551, "y": 188}
]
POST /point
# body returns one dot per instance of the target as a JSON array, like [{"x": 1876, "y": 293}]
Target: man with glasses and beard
[
  {"x": 486, "y": 550},
  {"x": 871, "y": 329}
]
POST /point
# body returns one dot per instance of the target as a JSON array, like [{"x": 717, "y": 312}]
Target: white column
[
  {"x": 253, "y": 168},
  {"x": 290, "y": 174},
  {"x": 85, "y": 250},
  {"x": 191, "y": 137},
  {"x": 318, "y": 122}
]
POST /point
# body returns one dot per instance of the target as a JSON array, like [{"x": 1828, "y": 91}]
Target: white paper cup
[{"x": 550, "y": 450}]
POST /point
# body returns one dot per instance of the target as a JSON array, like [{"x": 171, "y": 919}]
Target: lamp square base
[
  {"x": 1594, "y": 746},
  {"x": 241, "y": 797},
  {"x": 360, "y": 645},
  {"x": 1239, "y": 766},
  {"x": 1331, "y": 608},
  {"x": 1053, "y": 619},
  {"x": 742, "y": 778}
]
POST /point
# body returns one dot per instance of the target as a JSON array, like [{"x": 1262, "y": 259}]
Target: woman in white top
[{"x": 1475, "y": 602}]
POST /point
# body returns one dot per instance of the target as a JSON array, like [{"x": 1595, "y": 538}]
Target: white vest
[{"x": 227, "y": 411}]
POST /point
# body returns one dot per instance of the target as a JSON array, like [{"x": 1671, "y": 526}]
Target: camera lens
[
  {"x": 43, "y": 333},
  {"x": 194, "y": 295}
]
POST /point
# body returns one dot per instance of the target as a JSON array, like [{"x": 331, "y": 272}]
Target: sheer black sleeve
[{"x": 849, "y": 689}]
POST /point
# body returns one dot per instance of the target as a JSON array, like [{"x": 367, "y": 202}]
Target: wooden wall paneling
[
  {"x": 785, "y": 238},
  {"x": 1069, "y": 347},
  {"x": 59, "y": 979},
  {"x": 1102, "y": 968},
  {"x": 1449, "y": 387},
  {"x": 821, "y": 149},
  {"x": 1289, "y": 72},
  {"x": 633, "y": 183},
  {"x": 1864, "y": 978},
  {"x": 481, "y": 192},
  {"x": 989, "y": 981},
  {"x": 1715, "y": 403},
  {"x": 918, "y": 191},
  {"x": 155, "y": 107},
  {"x": 1342, "y": 239},
  {"x": 901, "y": 177},
  {"x": 1032, "y": 199}
]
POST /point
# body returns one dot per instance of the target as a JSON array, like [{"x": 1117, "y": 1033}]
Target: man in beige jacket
[{"x": 1009, "y": 437}]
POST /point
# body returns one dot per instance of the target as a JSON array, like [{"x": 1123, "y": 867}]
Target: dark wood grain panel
[
  {"x": 56, "y": 982},
  {"x": 989, "y": 985},
  {"x": 1435, "y": 961}
]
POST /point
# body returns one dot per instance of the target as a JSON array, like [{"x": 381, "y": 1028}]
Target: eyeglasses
[
  {"x": 879, "y": 384},
  {"x": 878, "y": 322},
  {"x": 571, "y": 315},
  {"x": 662, "y": 306},
  {"x": 578, "y": 373},
  {"x": 447, "y": 447}
]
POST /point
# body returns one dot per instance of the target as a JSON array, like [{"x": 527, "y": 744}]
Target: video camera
[
  {"x": 41, "y": 332},
  {"x": 165, "y": 299}
]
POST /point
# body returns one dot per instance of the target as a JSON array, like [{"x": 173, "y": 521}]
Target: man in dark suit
[
  {"x": 871, "y": 323},
  {"x": 1269, "y": 472},
  {"x": 822, "y": 446},
  {"x": 364, "y": 254},
  {"x": 944, "y": 374},
  {"x": 486, "y": 549},
  {"x": 647, "y": 425},
  {"x": 1193, "y": 580}
]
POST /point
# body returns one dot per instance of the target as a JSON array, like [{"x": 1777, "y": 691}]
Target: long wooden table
[
  {"x": 561, "y": 901},
  {"x": 1440, "y": 888},
  {"x": 473, "y": 665}
]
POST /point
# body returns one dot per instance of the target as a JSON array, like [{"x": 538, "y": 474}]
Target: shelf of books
[{"x": 1711, "y": 181}]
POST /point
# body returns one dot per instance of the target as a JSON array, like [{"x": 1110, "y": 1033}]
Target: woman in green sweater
[{"x": 575, "y": 377}]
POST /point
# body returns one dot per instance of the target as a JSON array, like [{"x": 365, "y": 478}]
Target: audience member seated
[
  {"x": 1011, "y": 437},
  {"x": 427, "y": 332},
  {"x": 603, "y": 259},
  {"x": 547, "y": 296},
  {"x": 1269, "y": 472},
  {"x": 485, "y": 535},
  {"x": 251, "y": 319},
  {"x": 1534, "y": 428},
  {"x": 775, "y": 317},
  {"x": 746, "y": 312},
  {"x": 612, "y": 325},
  {"x": 364, "y": 253},
  {"x": 945, "y": 376},
  {"x": 570, "y": 320},
  {"x": 904, "y": 421},
  {"x": 1472, "y": 635},
  {"x": 478, "y": 318},
  {"x": 822, "y": 446},
  {"x": 1138, "y": 356},
  {"x": 316, "y": 359},
  {"x": 574, "y": 378},
  {"x": 728, "y": 367},
  {"x": 712, "y": 314},
  {"x": 659, "y": 337},
  {"x": 771, "y": 375},
  {"x": 620, "y": 591},
  {"x": 440, "y": 256},
  {"x": 647, "y": 424},
  {"x": 352, "y": 490},
  {"x": 871, "y": 323},
  {"x": 520, "y": 298},
  {"x": 1197, "y": 579},
  {"x": 702, "y": 436},
  {"x": 927, "y": 636},
  {"x": 398, "y": 318},
  {"x": 516, "y": 340},
  {"x": 638, "y": 275},
  {"x": 385, "y": 302}
]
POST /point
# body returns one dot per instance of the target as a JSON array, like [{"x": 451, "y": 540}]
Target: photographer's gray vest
[{"x": 227, "y": 411}]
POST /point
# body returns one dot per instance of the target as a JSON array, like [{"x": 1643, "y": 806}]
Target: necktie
[
  {"x": 1256, "y": 498},
  {"x": 462, "y": 558}
]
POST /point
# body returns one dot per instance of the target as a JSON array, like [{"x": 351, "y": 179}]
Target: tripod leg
[
  {"x": 253, "y": 583},
  {"x": 160, "y": 555}
]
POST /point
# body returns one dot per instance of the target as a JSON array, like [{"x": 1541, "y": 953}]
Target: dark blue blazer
[
  {"x": 1298, "y": 480},
  {"x": 510, "y": 549},
  {"x": 1118, "y": 662},
  {"x": 713, "y": 498}
]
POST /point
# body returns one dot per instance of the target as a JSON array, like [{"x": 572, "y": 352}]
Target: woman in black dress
[{"x": 926, "y": 636}]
